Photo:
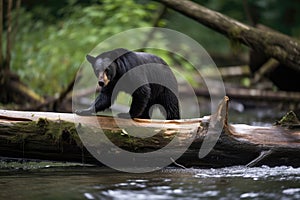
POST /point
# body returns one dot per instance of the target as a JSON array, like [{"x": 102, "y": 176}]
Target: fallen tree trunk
[
  {"x": 279, "y": 46},
  {"x": 53, "y": 136},
  {"x": 255, "y": 95}
]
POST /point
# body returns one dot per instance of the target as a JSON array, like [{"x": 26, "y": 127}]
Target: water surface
[{"x": 27, "y": 181}]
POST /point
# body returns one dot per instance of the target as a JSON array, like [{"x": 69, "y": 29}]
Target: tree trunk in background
[
  {"x": 12, "y": 89},
  {"x": 1, "y": 29},
  {"x": 8, "y": 35},
  {"x": 279, "y": 46}
]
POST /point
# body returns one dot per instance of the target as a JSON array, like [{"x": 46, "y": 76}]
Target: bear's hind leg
[
  {"x": 147, "y": 112},
  {"x": 170, "y": 103},
  {"x": 140, "y": 100}
]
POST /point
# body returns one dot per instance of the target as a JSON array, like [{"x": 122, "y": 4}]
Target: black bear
[{"x": 111, "y": 66}]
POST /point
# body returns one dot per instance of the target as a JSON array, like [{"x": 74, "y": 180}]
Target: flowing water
[
  {"x": 48, "y": 180},
  {"x": 51, "y": 181}
]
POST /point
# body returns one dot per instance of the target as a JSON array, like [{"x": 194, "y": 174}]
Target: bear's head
[
  {"x": 104, "y": 69},
  {"x": 105, "y": 65}
]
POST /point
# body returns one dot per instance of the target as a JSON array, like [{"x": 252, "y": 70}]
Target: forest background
[{"x": 50, "y": 38}]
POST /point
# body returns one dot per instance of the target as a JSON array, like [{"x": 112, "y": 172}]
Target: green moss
[
  {"x": 58, "y": 132},
  {"x": 42, "y": 122},
  {"x": 45, "y": 130},
  {"x": 290, "y": 119},
  {"x": 234, "y": 34},
  {"x": 124, "y": 140}
]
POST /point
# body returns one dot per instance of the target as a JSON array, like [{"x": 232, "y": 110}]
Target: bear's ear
[
  {"x": 113, "y": 69},
  {"x": 91, "y": 59}
]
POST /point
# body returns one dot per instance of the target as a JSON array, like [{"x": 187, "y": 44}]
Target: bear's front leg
[
  {"x": 85, "y": 112},
  {"x": 102, "y": 102}
]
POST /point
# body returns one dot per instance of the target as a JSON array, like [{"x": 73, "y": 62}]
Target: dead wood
[{"x": 255, "y": 95}]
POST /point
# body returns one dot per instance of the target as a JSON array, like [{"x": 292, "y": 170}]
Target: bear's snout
[{"x": 101, "y": 83}]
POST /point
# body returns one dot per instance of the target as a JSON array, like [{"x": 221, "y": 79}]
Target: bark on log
[
  {"x": 53, "y": 136},
  {"x": 279, "y": 46}
]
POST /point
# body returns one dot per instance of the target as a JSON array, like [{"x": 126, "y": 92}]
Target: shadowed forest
[{"x": 44, "y": 43}]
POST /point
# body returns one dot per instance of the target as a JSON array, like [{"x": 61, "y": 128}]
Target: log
[
  {"x": 257, "y": 95},
  {"x": 53, "y": 136},
  {"x": 275, "y": 45}
]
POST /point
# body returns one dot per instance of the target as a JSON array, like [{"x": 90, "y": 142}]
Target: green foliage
[
  {"x": 53, "y": 37},
  {"x": 49, "y": 50}
]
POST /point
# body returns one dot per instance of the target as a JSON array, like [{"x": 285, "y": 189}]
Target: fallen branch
[{"x": 254, "y": 94}]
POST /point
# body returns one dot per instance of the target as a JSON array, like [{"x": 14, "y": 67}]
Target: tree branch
[{"x": 279, "y": 46}]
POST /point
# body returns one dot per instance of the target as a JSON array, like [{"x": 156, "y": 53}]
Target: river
[{"x": 40, "y": 180}]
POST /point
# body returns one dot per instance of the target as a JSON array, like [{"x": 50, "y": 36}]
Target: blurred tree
[
  {"x": 12, "y": 90},
  {"x": 52, "y": 43},
  {"x": 1, "y": 29}
]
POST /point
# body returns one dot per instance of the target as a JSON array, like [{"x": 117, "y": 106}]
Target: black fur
[{"x": 110, "y": 66}]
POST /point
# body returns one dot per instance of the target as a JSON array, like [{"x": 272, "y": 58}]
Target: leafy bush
[{"x": 49, "y": 50}]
